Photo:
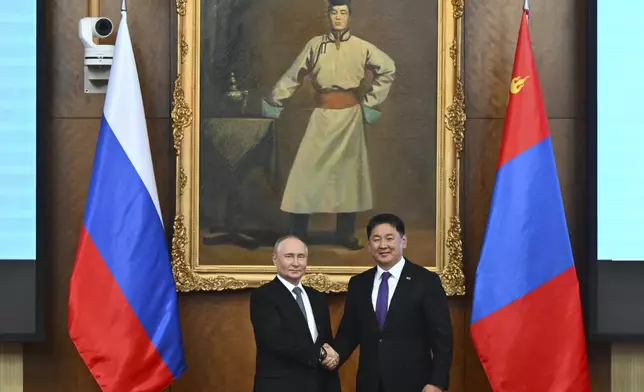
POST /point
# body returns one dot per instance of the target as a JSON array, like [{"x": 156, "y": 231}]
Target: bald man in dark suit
[{"x": 292, "y": 328}]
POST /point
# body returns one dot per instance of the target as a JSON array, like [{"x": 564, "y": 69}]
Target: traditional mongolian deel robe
[{"x": 330, "y": 173}]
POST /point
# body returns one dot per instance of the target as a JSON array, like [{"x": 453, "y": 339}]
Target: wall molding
[
  {"x": 11, "y": 368},
  {"x": 627, "y": 367}
]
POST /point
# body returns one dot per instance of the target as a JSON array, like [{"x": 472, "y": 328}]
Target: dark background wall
[{"x": 217, "y": 333}]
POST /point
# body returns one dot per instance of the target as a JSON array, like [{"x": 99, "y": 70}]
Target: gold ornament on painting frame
[{"x": 191, "y": 276}]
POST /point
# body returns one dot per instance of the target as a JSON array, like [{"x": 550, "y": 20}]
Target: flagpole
[
  {"x": 124, "y": 8},
  {"x": 93, "y": 7},
  {"x": 94, "y": 10},
  {"x": 526, "y": 7}
]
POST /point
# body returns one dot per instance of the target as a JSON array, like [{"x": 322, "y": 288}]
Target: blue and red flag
[
  {"x": 123, "y": 316},
  {"x": 527, "y": 323}
]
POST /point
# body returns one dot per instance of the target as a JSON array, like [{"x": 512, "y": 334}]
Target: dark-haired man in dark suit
[
  {"x": 292, "y": 328},
  {"x": 397, "y": 312}
]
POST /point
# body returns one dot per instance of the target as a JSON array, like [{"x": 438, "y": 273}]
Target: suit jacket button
[{"x": 381, "y": 340}]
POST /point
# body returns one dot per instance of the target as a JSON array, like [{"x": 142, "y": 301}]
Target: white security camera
[{"x": 98, "y": 58}]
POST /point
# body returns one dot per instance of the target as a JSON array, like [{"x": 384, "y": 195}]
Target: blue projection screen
[
  {"x": 614, "y": 300},
  {"x": 21, "y": 95},
  {"x": 620, "y": 134},
  {"x": 18, "y": 51}
]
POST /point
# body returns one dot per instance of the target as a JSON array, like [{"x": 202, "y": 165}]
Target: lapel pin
[{"x": 407, "y": 277}]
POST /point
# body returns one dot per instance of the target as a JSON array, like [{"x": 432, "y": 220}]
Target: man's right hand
[{"x": 332, "y": 358}]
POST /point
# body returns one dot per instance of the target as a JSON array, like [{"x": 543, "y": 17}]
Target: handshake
[{"x": 330, "y": 362}]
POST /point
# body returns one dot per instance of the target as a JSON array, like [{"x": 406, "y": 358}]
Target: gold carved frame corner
[{"x": 191, "y": 276}]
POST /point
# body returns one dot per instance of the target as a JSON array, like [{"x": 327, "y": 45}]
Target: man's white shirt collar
[
  {"x": 290, "y": 286},
  {"x": 395, "y": 271}
]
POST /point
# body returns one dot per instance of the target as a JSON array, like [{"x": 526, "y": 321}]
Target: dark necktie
[
  {"x": 383, "y": 299},
  {"x": 300, "y": 303}
]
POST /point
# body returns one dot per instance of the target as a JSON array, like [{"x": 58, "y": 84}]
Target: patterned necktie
[
  {"x": 383, "y": 299},
  {"x": 300, "y": 303}
]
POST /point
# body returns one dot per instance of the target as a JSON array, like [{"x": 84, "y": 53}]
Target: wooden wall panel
[
  {"x": 216, "y": 327},
  {"x": 557, "y": 28},
  {"x": 68, "y": 99},
  {"x": 459, "y": 310},
  {"x": 218, "y": 339},
  {"x": 220, "y": 350},
  {"x": 55, "y": 366},
  {"x": 599, "y": 361},
  {"x": 149, "y": 24}
]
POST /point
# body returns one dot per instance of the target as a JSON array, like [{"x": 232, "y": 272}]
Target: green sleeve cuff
[
  {"x": 269, "y": 110},
  {"x": 371, "y": 115}
]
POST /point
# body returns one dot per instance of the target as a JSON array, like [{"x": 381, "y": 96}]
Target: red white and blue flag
[
  {"x": 527, "y": 323},
  {"x": 123, "y": 316}
]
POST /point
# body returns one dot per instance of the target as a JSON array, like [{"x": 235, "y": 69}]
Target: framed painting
[{"x": 308, "y": 117}]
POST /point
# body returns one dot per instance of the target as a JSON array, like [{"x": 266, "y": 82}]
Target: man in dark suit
[
  {"x": 292, "y": 328},
  {"x": 398, "y": 313}
]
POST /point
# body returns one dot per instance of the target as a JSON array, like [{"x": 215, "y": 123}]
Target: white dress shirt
[
  {"x": 307, "y": 306},
  {"x": 395, "y": 272}
]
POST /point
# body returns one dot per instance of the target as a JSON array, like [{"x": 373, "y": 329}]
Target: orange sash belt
[{"x": 336, "y": 100}]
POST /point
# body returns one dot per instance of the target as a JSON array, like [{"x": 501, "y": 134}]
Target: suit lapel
[
  {"x": 401, "y": 294},
  {"x": 286, "y": 302}
]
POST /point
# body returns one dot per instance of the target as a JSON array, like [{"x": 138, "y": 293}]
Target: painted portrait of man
[
  {"x": 331, "y": 173},
  {"x": 315, "y": 115}
]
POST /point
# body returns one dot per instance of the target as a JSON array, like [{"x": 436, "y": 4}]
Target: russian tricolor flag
[
  {"x": 123, "y": 316},
  {"x": 527, "y": 321}
]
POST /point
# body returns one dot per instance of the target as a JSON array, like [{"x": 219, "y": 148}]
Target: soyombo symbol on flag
[
  {"x": 526, "y": 319},
  {"x": 123, "y": 316}
]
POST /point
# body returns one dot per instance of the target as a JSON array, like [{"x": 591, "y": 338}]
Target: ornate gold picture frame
[{"x": 211, "y": 139}]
